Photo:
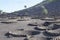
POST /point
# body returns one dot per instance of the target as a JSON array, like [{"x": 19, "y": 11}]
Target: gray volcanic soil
[{"x": 13, "y": 26}]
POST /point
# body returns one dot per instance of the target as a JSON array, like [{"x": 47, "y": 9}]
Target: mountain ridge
[{"x": 50, "y": 9}]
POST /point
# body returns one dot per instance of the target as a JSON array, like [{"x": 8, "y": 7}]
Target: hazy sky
[{"x": 14, "y": 5}]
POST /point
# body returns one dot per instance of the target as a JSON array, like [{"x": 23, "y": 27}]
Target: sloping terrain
[{"x": 52, "y": 7}]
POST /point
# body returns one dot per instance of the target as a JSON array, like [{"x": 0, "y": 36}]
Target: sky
[{"x": 15, "y": 5}]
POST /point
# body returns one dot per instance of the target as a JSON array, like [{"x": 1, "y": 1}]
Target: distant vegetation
[{"x": 45, "y": 11}]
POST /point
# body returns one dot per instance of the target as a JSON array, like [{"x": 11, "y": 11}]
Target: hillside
[{"x": 45, "y": 8}]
